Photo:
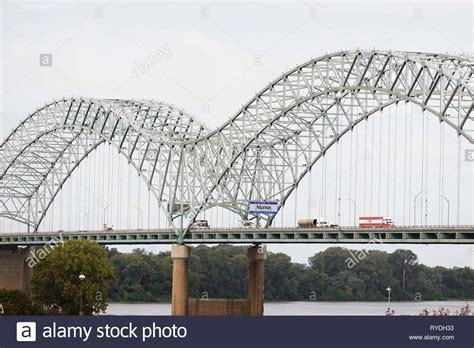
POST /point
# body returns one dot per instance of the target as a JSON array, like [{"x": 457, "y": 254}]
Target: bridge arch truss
[{"x": 261, "y": 153}]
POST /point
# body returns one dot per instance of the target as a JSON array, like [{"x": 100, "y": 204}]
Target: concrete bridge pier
[
  {"x": 182, "y": 305},
  {"x": 256, "y": 255},
  {"x": 14, "y": 270},
  {"x": 179, "y": 293}
]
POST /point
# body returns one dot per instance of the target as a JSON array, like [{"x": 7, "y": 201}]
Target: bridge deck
[{"x": 339, "y": 235}]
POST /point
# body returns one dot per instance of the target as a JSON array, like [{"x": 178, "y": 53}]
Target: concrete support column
[
  {"x": 179, "y": 295},
  {"x": 15, "y": 272},
  {"x": 256, "y": 255}
]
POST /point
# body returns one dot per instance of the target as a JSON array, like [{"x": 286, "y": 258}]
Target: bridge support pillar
[
  {"x": 179, "y": 294},
  {"x": 14, "y": 270},
  {"x": 256, "y": 255}
]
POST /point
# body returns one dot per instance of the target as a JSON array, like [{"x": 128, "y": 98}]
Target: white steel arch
[
  {"x": 43, "y": 151},
  {"x": 262, "y": 152}
]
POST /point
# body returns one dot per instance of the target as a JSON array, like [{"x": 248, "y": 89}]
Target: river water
[{"x": 305, "y": 308}]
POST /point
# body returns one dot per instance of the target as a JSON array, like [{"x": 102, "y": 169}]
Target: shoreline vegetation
[
  {"x": 82, "y": 277},
  {"x": 335, "y": 274}
]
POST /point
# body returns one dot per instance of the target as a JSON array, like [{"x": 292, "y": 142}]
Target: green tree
[
  {"x": 222, "y": 272},
  {"x": 55, "y": 281},
  {"x": 330, "y": 261},
  {"x": 281, "y": 278},
  {"x": 218, "y": 272},
  {"x": 377, "y": 275},
  {"x": 403, "y": 262},
  {"x": 133, "y": 273},
  {"x": 16, "y": 302},
  {"x": 427, "y": 283}
]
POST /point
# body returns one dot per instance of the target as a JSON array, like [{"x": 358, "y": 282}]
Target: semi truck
[
  {"x": 375, "y": 221},
  {"x": 314, "y": 223}
]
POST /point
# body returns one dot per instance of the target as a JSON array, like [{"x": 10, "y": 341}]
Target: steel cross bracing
[{"x": 261, "y": 153}]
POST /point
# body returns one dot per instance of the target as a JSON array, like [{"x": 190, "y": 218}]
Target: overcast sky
[{"x": 218, "y": 55}]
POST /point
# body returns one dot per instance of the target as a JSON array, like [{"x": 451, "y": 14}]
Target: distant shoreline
[
  {"x": 301, "y": 301},
  {"x": 374, "y": 308}
]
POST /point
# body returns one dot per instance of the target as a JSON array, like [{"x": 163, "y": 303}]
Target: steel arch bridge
[{"x": 261, "y": 153}]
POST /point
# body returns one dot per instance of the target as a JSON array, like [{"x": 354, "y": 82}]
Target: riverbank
[{"x": 307, "y": 308}]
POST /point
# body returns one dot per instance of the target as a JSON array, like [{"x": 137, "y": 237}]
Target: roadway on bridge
[{"x": 283, "y": 235}]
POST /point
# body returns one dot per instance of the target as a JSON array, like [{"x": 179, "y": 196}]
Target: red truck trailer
[{"x": 375, "y": 221}]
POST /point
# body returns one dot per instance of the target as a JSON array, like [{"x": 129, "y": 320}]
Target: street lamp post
[
  {"x": 82, "y": 277},
  {"x": 447, "y": 201},
  {"x": 320, "y": 206},
  {"x": 339, "y": 211},
  {"x": 314, "y": 203},
  {"x": 86, "y": 213},
  {"x": 414, "y": 207},
  {"x": 140, "y": 215},
  {"x": 105, "y": 210},
  {"x": 355, "y": 207},
  {"x": 389, "y": 290}
]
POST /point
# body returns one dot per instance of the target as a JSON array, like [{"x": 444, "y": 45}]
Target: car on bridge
[
  {"x": 200, "y": 224},
  {"x": 246, "y": 224},
  {"x": 108, "y": 228}
]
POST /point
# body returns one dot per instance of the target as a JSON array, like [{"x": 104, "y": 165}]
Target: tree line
[
  {"x": 336, "y": 274},
  {"x": 80, "y": 276}
]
